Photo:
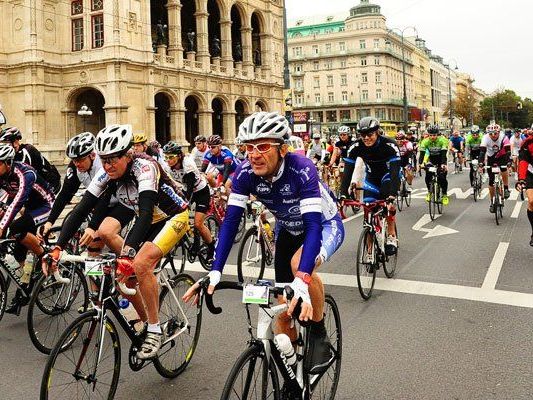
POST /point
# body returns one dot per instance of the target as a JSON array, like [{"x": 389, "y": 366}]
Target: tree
[
  {"x": 465, "y": 107},
  {"x": 507, "y": 109}
]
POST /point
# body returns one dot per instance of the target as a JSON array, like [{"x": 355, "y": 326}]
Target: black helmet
[
  {"x": 214, "y": 140},
  {"x": 81, "y": 145},
  {"x": 200, "y": 138},
  {"x": 433, "y": 130},
  {"x": 10, "y": 134},
  {"x": 172, "y": 148},
  {"x": 368, "y": 125}
]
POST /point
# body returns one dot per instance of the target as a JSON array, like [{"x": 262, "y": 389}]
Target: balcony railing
[
  {"x": 352, "y": 103},
  {"x": 340, "y": 53}
]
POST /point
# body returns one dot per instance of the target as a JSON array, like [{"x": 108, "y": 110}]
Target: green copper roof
[{"x": 365, "y": 8}]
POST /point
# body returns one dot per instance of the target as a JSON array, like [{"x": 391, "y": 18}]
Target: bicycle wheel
[
  {"x": 399, "y": 198},
  {"x": 438, "y": 197},
  {"x": 212, "y": 224},
  {"x": 3, "y": 295},
  {"x": 54, "y": 305},
  {"x": 475, "y": 189},
  {"x": 366, "y": 272},
  {"x": 251, "y": 378},
  {"x": 496, "y": 204},
  {"x": 326, "y": 387},
  {"x": 408, "y": 198},
  {"x": 251, "y": 257},
  {"x": 432, "y": 204},
  {"x": 85, "y": 360},
  {"x": 175, "y": 355},
  {"x": 389, "y": 266},
  {"x": 241, "y": 230}
]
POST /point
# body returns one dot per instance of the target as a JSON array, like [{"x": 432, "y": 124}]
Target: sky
[{"x": 492, "y": 40}]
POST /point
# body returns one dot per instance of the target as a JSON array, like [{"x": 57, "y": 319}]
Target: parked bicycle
[{"x": 87, "y": 356}]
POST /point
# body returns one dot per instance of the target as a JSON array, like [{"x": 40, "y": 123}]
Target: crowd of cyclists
[{"x": 152, "y": 188}]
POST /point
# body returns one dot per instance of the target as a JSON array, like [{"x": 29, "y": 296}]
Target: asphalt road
[{"x": 455, "y": 322}]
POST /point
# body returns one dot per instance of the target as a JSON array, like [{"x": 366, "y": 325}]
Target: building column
[
  {"x": 266, "y": 53},
  {"x": 228, "y": 118},
  {"x": 205, "y": 125},
  {"x": 247, "y": 61},
  {"x": 225, "y": 44},
  {"x": 175, "y": 48},
  {"x": 177, "y": 125},
  {"x": 202, "y": 34}
]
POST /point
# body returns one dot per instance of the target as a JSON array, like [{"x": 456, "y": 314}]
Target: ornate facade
[{"x": 173, "y": 69}]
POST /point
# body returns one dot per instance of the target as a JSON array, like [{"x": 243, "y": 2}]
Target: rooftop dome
[{"x": 365, "y": 8}]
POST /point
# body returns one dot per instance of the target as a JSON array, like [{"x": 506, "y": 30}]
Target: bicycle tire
[
  {"x": 244, "y": 273},
  {"x": 432, "y": 204},
  {"x": 438, "y": 197},
  {"x": 242, "y": 229},
  {"x": 175, "y": 321},
  {"x": 214, "y": 226},
  {"x": 58, "y": 317},
  {"x": 408, "y": 199},
  {"x": 331, "y": 315},
  {"x": 399, "y": 199},
  {"x": 389, "y": 266},
  {"x": 496, "y": 203},
  {"x": 251, "y": 355},
  {"x": 53, "y": 372},
  {"x": 3, "y": 295},
  {"x": 475, "y": 189},
  {"x": 364, "y": 268}
]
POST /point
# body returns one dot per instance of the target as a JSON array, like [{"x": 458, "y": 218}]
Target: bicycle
[
  {"x": 217, "y": 208},
  {"x": 458, "y": 168},
  {"x": 498, "y": 200},
  {"x": 435, "y": 192},
  {"x": 255, "y": 372},
  {"x": 350, "y": 203},
  {"x": 477, "y": 180},
  {"x": 404, "y": 195},
  {"x": 334, "y": 179},
  {"x": 257, "y": 248},
  {"x": 371, "y": 253},
  {"x": 89, "y": 351}
]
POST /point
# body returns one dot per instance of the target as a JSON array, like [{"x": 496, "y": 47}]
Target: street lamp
[
  {"x": 84, "y": 112},
  {"x": 405, "y": 110},
  {"x": 311, "y": 121},
  {"x": 447, "y": 65}
]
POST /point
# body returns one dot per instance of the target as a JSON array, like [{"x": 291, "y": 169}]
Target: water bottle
[
  {"x": 123, "y": 303},
  {"x": 27, "y": 269},
  {"x": 128, "y": 311},
  {"x": 284, "y": 345}
]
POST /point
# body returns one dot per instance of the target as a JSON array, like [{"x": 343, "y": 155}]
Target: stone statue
[
  {"x": 257, "y": 57},
  {"x": 160, "y": 31},
  {"x": 215, "y": 47},
  {"x": 237, "y": 53},
  {"x": 191, "y": 36}
]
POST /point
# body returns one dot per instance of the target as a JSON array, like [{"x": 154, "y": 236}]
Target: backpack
[{"x": 51, "y": 175}]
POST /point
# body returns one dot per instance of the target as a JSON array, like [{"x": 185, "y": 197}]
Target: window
[
  {"x": 364, "y": 94},
  {"x": 362, "y": 44},
  {"x": 345, "y": 97},
  {"x": 330, "y": 80},
  {"x": 77, "y": 34},
  {"x": 378, "y": 77},
  {"x": 317, "y": 98},
  {"x": 316, "y": 82},
  {"x": 97, "y": 5},
  {"x": 329, "y": 64},
  {"x": 297, "y": 51},
  {"x": 97, "y": 22},
  {"x": 345, "y": 115},
  {"x": 298, "y": 99},
  {"x": 342, "y": 46},
  {"x": 376, "y": 43},
  {"x": 76, "y": 7},
  {"x": 331, "y": 116},
  {"x": 328, "y": 48},
  {"x": 331, "y": 97},
  {"x": 298, "y": 68},
  {"x": 298, "y": 83},
  {"x": 344, "y": 80},
  {"x": 315, "y": 50},
  {"x": 380, "y": 113},
  {"x": 376, "y": 60},
  {"x": 343, "y": 63},
  {"x": 316, "y": 65},
  {"x": 378, "y": 94},
  {"x": 364, "y": 77},
  {"x": 363, "y": 61}
]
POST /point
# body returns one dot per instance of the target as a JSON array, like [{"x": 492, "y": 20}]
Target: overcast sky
[{"x": 490, "y": 39}]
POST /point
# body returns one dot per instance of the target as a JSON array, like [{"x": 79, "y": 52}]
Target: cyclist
[
  {"x": 341, "y": 147},
  {"x": 25, "y": 192},
  {"x": 457, "y": 146},
  {"x": 496, "y": 149},
  {"x": 434, "y": 149},
  {"x": 184, "y": 170},
  {"x": 240, "y": 151},
  {"x": 525, "y": 177},
  {"x": 222, "y": 159},
  {"x": 316, "y": 151},
  {"x": 83, "y": 167},
  {"x": 516, "y": 142},
  {"x": 309, "y": 228},
  {"x": 139, "y": 183},
  {"x": 473, "y": 142},
  {"x": 381, "y": 157},
  {"x": 407, "y": 154},
  {"x": 28, "y": 154},
  {"x": 200, "y": 148}
]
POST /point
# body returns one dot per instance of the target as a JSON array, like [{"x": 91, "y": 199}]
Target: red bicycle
[{"x": 217, "y": 208}]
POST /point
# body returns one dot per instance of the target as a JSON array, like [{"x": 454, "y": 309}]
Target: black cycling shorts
[
  {"x": 529, "y": 180},
  {"x": 501, "y": 162},
  {"x": 121, "y": 213},
  {"x": 201, "y": 198},
  {"x": 286, "y": 246},
  {"x": 405, "y": 161}
]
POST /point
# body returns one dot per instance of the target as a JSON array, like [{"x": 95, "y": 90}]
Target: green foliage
[{"x": 508, "y": 109}]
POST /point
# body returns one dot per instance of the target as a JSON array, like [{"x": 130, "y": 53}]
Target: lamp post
[
  {"x": 311, "y": 121},
  {"x": 84, "y": 112},
  {"x": 405, "y": 107},
  {"x": 447, "y": 65}
]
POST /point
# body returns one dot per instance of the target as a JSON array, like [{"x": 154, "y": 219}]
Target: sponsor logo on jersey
[
  {"x": 263, "y": 188},
  {"x": 289, "y": 201},
  {"x": 294, "y": 210},
  {"x": 286, "y": 189}
]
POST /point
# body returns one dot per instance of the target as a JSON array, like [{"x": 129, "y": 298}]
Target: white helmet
[
  {"x": 114, "y": 139},
  {"x": 7, "y": 152},
  {"x": 81, "y": 145},
  {"x": 343, "y": 129},
  {"x": 317, "y": 136},
  {"x": 264, "y": 125}
]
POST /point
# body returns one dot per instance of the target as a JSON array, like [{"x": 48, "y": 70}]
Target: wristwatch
[
  {"x": 131, "y": 253},
  {"x": 304, "y": 277}
]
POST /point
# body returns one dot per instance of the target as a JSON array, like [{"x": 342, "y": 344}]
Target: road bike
[
  {"x": 87, "y": 357},
  {"x": 217, "y": 208},
  {"x": 335, "y": 178},
  {"x": 404, "y": 195},
  {"x": 256, "y": 250},
  {"x": 458, "y": 168},
  {"x": 255, "y": 374},
  {"x": 498, "y": 201},
  {"x": 350, "y": 204},
  {"x": 477, "y": 180},
  {"x": 435, "y": 192},
  {"x": 371, "y": 253}
]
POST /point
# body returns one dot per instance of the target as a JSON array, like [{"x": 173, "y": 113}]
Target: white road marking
[
  {"x": 439, "y": 230},
  {"x": 486, "y": 295},
  {"x": 516, "y": 209},
  {"x": 360, "y": 214},
  {"x": 495, "y": 266}
]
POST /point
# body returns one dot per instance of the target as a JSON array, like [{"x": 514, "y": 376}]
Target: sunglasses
[
  {"x": 260, "y": 147},
  {"x": 366, "y": 134},
  {"x": 343, "y": 134},
  {"x": 111, "y": 160},
  {"x": 79, "y": 159},
  {"x": 170, "y": 156}
]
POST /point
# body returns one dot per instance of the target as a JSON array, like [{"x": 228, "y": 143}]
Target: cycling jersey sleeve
[
  {"x": 347, "y": 178},
  {"x": 188, "y": 181},
  {"x": 76, "y": 218},
  {"x": 70, "y": 185},
  {"x": 526, "y": 158},
  {"x": 147, "y": 201},
  {"x": 394, "y": 167},
  {"x": 26, "y": 181},
  {"x": 227, "y": 171},
  {"x": 100, "y": 210}
]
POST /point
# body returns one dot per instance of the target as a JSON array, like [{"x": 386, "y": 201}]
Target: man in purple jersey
[{"x": 308, "y": 227}]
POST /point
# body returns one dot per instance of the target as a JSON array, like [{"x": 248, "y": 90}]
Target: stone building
[{"x": 173, "y": 69}]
